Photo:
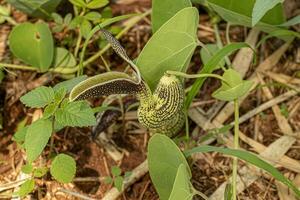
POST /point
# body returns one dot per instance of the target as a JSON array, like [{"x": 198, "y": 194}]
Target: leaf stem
[
  {"x": 219, "y": 43},
  {"x": 51, "y": 139},
  {"x": 181, "y": 74},
  {"x": 236, "y": 146},
  {"x": 227, "y": 33},
  {"x": 187, "y": 131},
  {"x": 13, "y": 66},
  {"x": 78, "y": 44},
  {"x": 196, "y": 192}
]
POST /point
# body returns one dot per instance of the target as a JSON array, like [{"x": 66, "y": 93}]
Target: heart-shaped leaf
[
  {"x": 94, "y": 4},
  {"x": 170, "y": 48},
  {"x": 234, "y": 87},
  {"x": 63, "y": 58},
  {"x": 164, "y": 158},
  {"x": 33, "y": 44},
  {"x": 159, "y": 14},
  {"x": 261, "y": 7},
  {"x": 239, "y": 13},
  {"x": 182, "y": 186}
]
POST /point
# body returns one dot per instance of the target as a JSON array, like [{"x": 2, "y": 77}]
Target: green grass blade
[
  {"x": 291, "y": 22},
  {"x": 210, "y": 66},
  {"x": 284, "y": 34},
  {"x": 248, "y": 157}
]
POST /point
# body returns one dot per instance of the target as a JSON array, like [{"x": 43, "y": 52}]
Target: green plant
[
  {"x": 168, "y": 87},
  {"x": 36, "y": 8},
  {"x": 5, "y": 15},
  {"x": 33, "y": 44},
  {"x": 58, "y": 113},
  {"x": 157, "y": 81},
  {"x": 170, "y": 172},
  {"x": 117, "y": 179}
]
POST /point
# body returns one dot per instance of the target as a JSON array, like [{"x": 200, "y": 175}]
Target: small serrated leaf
[
  {"x": 49, "y": 110},
  {"x": 93, "y": 16},
  {"x": 127, "y": 174},
  {"x": 118, "y": 182},
  {"x": 97, "y": 4},
  {"x": 63, "y": 168},
  {"x": 40, "y": 172},
  {"x": 115, "y": 170},
  {"x": 38, "y": 97},
  {"x": 57, "y": 18},
  {"x": 27, "y": 169},
  {"x": 85, "y": 28},
  {"x": 108, "y": 180},
  {"x": 26, "y": 188},
  {"x": 70, "y": 84},
  {"x": 77, "y": 113},
  {"x": 36, "y": 139},
  {"x": 79, "y": 3},
  {"x": 19, "y": 136}
]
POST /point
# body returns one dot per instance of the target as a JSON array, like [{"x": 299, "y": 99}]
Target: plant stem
[
  {"x": 51, "y": 140},
  {"x": 187, "y": 130},
  {"x": 219, "y": 42},
  {"x": 78, "y": 44},
  {"x": 13, "y": 66},
  {"x": 227, "y": 33},
  {"x": 181, "y": 74},
  {"x": 236, "y": 146}
]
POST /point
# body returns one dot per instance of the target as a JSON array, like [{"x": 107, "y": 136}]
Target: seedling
[
  {"x": 58, "y": 113},
  {"x": 116, "y": 178}
]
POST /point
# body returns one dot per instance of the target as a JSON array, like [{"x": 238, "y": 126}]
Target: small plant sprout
[{"x": 117, "y": 179}]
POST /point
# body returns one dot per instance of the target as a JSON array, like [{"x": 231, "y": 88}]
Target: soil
[{"x": 127, "y": 136}]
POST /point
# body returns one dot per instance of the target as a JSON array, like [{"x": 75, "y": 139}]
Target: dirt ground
[{"x": 129, "y": 139}]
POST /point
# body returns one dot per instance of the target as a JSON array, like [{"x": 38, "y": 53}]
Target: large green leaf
[
  {"x": 182, "y": 186},
  {"x": 170, "y": 48},
  {"x": 164, "y": 158},
  {"x": 37, "y": 137},
  {"x": 240, "y": 13},
  {"x": 33, "y": 44},
  {"x": 36, "y": 8},
  {"x": 261, "y": 7},
  {"x": 162, "y": 11},
  {"x": 250, "y": 158}
]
